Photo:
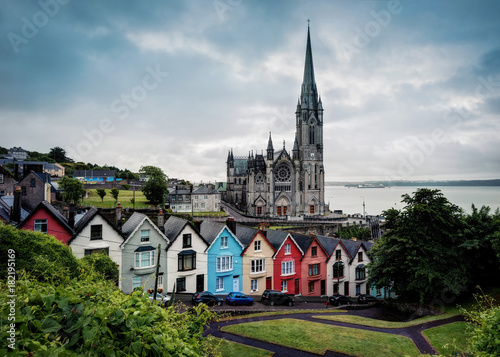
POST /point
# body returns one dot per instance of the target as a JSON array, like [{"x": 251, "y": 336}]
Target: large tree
[
  {"x": 420, "y": 254},
  {"x": 155, "y": 188},
  {"x": 59, "y": 154},
  {"x": 73, "y": 189}
]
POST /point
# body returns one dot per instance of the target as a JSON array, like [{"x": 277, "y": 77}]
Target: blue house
[{"x": 225, "y": 266}]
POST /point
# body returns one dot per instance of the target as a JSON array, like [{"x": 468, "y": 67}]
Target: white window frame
[
  {"x": 160, "y": 281},
  {"x": 136, "y": 282},
  {"x": 257, "y": 246},
  {"x": 258, "y": 266},
  {"x": 224, "y": 263},
  {"x": 139, "y": 258},
  {"x": 288, "y": 248},
  {"x": 224, "y": 242},
  {"x": 288, "y": 267},
  {"x": 144, "y": 238},
  {"x": 254, "y": 285},
  {"x": 284, "y": 286},
  {"x": 219, "y": 284},
  {"x": 39, "y": 223}
]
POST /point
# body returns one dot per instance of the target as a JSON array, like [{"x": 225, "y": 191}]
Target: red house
[
  {"x": 46, "y": 219},
  {"x": 313, "y": 269},
  {"x": 287, "y": 267}
]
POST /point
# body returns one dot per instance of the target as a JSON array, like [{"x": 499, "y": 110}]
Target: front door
[
  {"x": 346, "y": 288},
  {"x": 200, "y": 282},
  {"x": 269, "y": 283},
  {"x": 297, "y": 286},
  {"x": 236, "y": 283},
  {"x": 323, "y": 287}
]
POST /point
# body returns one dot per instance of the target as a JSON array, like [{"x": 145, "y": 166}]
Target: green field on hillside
[{"x": 124, "y": 198}]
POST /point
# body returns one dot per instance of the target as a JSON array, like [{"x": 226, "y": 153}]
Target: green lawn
[
  {"x": 284, "y": 312},
  {"x": 448, "y": 339},
  {"x": 230, "y": 349},
  {"x": 317, "y": 337},
  {"x": 358, "y": 320},
  {"x": 109, "y": 202}
]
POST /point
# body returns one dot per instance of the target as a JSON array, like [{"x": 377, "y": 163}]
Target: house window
[
  {"x": 144, "y": 259},
  {"x": 1, "y": 178},
  {"x": 338, "y": 270},
  {"x": 313, "y": 269},
  {"x": 41, "y": 225},
  {"x": 338, "y": 254},
  {"x": 360, "y": 256},
  {"x": 358, "y": 289},
  {"x": 33, "y": 182},
  {"x": 257, "y": 245},
  {"x": 186, "y": 261},
  {"x": 186, "y": 240},
  {"x": 278, "y": 210},
  {"x": 288, "y": 267},
  {"x": 311, "y": 209},
  {"x": 96, "y": 231},
  {"x": 336, "y": 288},
  {"x": 259, "y": 211},
  {"x": 360, "y": 272},
  {"x": 96, "y": 251},
  {"x": 160, "y": 281},
  {"x": 145, "y": 235},
  {"x": 219, "y": 284},
  {"x": 223, "y": 242},
  {"x": 23, "y": 190},
  {"x": 136, "y": 282},
  {"x": 288, "y": 249},
  {"x": 224, "y": 263},
  {"x": 379, "y": 292},
  {"x": 202, "y": 205},
  {"x": 180, "y": 283},
  {"x": 258, "y": 265},
  {"x": 254, "y": 286},
  {"x": 284, "y": 286},
  {"x": 314, "y": 251},
  {"x": 310, "y": 286}
]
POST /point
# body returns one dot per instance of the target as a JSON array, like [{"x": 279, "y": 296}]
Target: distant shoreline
[{"x": 494, "y": 182}]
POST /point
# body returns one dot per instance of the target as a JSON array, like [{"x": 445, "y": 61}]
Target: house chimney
[
  {"x": 263, "y": 228},
  {"x": 118, "y": 214},
  {"x": 16, "y": 211},
  {"x": 197, "y": 226},
  {"x": 354, "y": 239},
  {"x": 161, "y": 219},
  {"x": 71, "y": 217},
  {"x": 231, "y": 224},
  {"x": 66, "y": 213},
  {"x": 16, "y": 171}
]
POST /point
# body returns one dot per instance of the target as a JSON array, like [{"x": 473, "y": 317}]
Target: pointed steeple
[
  {"x": 270, "y": 149},
  {"x": 309, "y": 94},
  {"x": 295, "y": 151}
]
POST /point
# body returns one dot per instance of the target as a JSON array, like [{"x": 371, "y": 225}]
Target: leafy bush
[
  {"x": 46, "y": 258},
  {"x": 126, "y": 186},
  {"x": 87, "y": 317},
  {"x": 484, "y": 327},
  {"x": 102, "y": 264}
]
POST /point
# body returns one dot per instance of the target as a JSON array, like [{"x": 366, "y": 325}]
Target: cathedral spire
[
  {"x": 270, "y": 149},
  {"x": 309, "y": 95}
]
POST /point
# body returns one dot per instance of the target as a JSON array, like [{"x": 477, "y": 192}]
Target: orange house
[{"x": 313, "y": 266}]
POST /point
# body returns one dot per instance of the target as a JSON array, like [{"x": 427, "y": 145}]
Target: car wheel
[
  {"x": 271, "y": 303},
  {"x": 219, "y": 303},
  {"x": 290, "y": 303}
]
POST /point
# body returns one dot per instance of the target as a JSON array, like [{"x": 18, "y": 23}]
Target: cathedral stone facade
[{"x": 280, "y": 183}]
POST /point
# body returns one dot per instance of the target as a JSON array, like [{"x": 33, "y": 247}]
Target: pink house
[
  {"x": 313, "y": 266},
  {"x": 287, "y": 266},
  {"x": 46, "y": 219}
]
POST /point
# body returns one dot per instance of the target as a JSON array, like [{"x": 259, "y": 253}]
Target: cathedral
[{"x": 280, "y": 183}]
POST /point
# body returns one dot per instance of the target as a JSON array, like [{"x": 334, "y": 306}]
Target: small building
[
  {"x": 18, "y": 153},
  {"x": 180, "y": 199},
  {"x": 95, "y": 176},
  {"x": 36, "y": 187},
  {"x": 206, "y": 199},
  {"x": 7, "y": 182}
]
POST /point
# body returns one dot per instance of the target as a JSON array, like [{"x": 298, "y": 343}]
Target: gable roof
[
  {"x": 302, "y": 240},
  {"x": 54, "y": 213},
  {"x": 205, "y": 190},
  {"x": 174, "y": 226},
  {"x": 87, "y": 218},
  {"x": 262, "y": 234},
  {"x": 293, "y": 241},
  {"x": 328, "y": 243},
  {"x": 211, "y": 230},
  {"x": 133, "y": 224},
  {"x": 6, "y": 204}
]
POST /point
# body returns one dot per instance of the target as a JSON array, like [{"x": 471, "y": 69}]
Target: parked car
[
  {"x": 338, "y": 299},
  {"x": 235, "y": 298},
  {"x": 365, "y": 299},
  {"x": 275, "y": 297},
  {"x": 206, "y": 297},
  {"x": 162, "y": 300}
]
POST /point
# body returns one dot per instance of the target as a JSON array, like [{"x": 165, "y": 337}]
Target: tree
[
  {"x": 101, "y": 192},
  {"x": 73, "y": 189},
  {"x": 358, "y": 232},
  {"x": 59, "y": 154},
  {"x": 155, "y": 188},
  {"x": 418, "y": 254},
  {"x": 115, "y": 192}
]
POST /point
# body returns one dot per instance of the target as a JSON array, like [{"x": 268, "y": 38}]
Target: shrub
[
  {"x": 102, "y": 264},
  {"x": 126, "y": 186}
]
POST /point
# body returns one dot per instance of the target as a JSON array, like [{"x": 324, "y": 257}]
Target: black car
[
  {"x": 275, "y": 297},
  {"x": 365, "y": 299},
  {"x": 338, "y": 299},
  {"x": 206, "y": 297}
]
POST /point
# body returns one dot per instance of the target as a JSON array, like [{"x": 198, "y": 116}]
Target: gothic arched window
[{"x": 311, "y": 134}]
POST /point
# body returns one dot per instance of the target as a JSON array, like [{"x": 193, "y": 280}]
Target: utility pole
[{"x": 157, "y": 269}]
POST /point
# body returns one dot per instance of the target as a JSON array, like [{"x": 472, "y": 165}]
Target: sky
[{"x": 410, "y": 89}]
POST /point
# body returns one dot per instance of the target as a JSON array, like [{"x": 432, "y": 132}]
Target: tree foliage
[
  {"x": 73, "y": 189},
  {"x": 101, "y": 192},
  {"x": 357, "y": 232},
  {"x": 115, "y": 193},
  {"x": 102, "y": 264},
  {"x": 58, "y": 154},
  {"x": 155, "y": 188},
  {"x": 418, "y": 254}
]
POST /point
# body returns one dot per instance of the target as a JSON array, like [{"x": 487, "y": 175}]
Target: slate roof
[
  {"x": 53, "y": 212},
  {"x": 328, "y": 243},
  {"x": 94, "y": 173},
  {"x": 204, "y": 190},
  {"x": 174, "y": 226},
  {"x": 210, "y": 230},
  {"x": 6, "y": 202},
  {"x": 131, "y": 224},
  {"x": 302, "y": 240},
  {"x": 88, "y": 217}
]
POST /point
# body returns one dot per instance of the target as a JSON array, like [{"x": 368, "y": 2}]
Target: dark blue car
[{"x": 235, "y": 298}]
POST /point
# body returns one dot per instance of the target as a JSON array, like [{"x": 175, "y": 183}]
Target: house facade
[
  {"x": 206, "y": 199},
  {"x": 140, "y": 254},
  {"x": 35, "y": 188},
  {"x": 287, "y": 267},
  {"x": 7, "y": 182},
  {"x": 186, "y": 257},
  {"x": 313, "y": 279},
  {"x": 224, "y": 260}
]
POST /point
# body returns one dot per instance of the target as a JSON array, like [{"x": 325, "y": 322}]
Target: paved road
[{"x": 413, "y": 332}]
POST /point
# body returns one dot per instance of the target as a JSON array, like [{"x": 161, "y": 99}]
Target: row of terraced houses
[{"x": 217, "y": 256}]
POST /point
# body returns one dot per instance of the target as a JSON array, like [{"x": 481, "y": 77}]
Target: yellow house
[{"x": 257, "y": 259}]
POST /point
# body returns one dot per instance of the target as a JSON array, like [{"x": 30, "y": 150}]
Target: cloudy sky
[{"x": 411, "y": 89}]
